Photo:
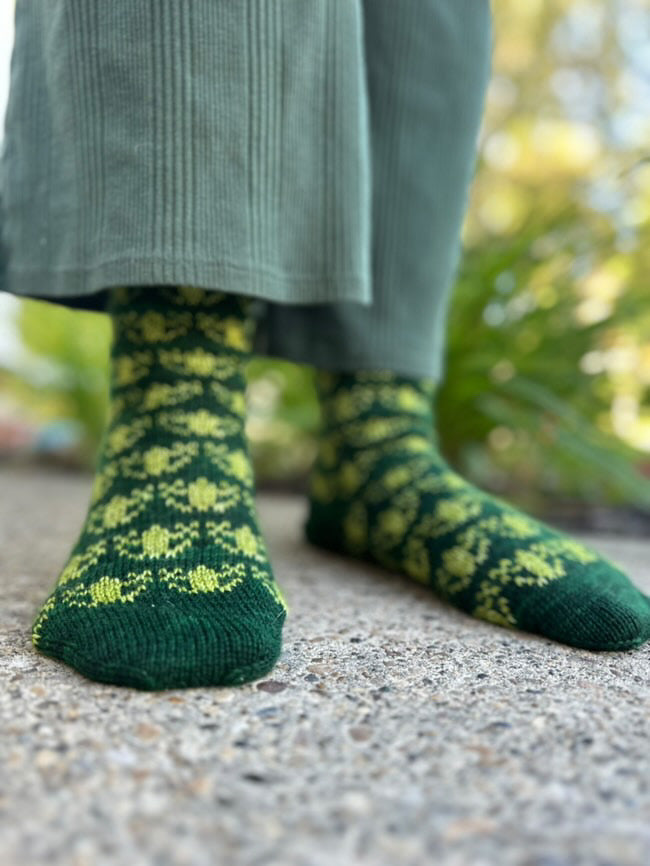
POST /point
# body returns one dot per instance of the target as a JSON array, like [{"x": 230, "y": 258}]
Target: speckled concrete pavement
[{"x": 394, "y": 730}]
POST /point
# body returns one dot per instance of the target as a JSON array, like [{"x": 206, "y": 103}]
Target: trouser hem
[
  {"x": 340, "y": 357},
  {"x": 58, "y": 284}
]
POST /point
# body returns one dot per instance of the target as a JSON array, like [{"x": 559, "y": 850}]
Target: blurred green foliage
[
  {"x": 547, "y": 387},
  {"x": 64, "y": 375},
  {"x": 523, "y": 409}
]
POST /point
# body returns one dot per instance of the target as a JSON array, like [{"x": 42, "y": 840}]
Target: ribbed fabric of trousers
[{"x": 313, "y": 154}]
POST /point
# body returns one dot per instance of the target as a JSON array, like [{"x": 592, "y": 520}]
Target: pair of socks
[{"x": 169, "y": 583}]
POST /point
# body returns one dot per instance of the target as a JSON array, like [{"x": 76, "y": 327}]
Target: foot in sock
[
  {"x": 381, "y": 491},
  {"x": 169, "y": 584}
]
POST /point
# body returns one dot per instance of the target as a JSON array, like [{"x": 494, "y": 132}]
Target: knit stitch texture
[
  {"x": 380, "y": 490},
  {"x": 169, "y": 584}
]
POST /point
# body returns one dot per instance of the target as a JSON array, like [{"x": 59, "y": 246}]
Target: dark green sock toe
[{"x": 174, "y": 642}]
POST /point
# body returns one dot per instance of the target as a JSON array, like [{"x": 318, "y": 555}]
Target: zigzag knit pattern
[
  {"x": 381, "y": 491},
  {"x": 169, "y": 584}
]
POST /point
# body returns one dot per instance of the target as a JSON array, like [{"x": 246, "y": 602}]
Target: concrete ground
[{"x": 394, "y": 730}]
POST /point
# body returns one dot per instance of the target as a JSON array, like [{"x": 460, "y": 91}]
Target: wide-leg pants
[{"x": 313, "y": 154}]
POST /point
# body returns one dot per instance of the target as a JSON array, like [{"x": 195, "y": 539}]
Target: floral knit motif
[
  {"x": 381, "y": 490},
  {"x": 169, "y": 582}
]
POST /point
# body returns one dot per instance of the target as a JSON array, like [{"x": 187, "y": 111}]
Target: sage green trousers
[{"x": 315, "y": 155}]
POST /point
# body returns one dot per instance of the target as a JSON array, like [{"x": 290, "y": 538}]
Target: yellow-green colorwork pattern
[
  {"x": 380, "y": 490},
  {"x": 169, "y": 584}
]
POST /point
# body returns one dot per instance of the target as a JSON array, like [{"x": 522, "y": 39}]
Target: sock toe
[
  {"x": 170, "y": 643},
  {"x": 595, "y": 621}
]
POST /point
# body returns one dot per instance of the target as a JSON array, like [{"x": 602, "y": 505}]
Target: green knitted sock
[
  {"x": 169, "y": 584},
  {"x": 381, "y": 491}
]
